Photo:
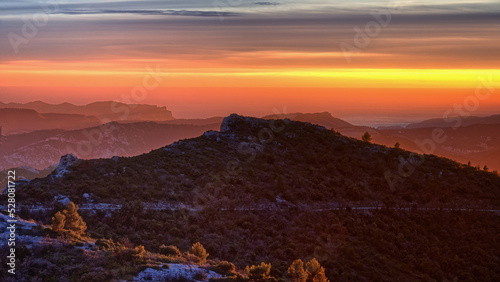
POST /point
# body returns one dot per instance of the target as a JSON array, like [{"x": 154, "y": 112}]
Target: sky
[{"x": 357, "y": 59}]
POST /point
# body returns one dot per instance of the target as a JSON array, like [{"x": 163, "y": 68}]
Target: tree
[
  {"x": 315, "y": 271},
  {"x": 199, "y": 251},
  {"x": 296, "y": 271},
  {"x": 397, "y": 145},
  {"x": 261, "y": 271},
  {"x": 58, "y": 221},
  {"x": 74, "y": 221},
  {"x": 69, "y": 220},
  {"x": 485, "y": 168},
  {"x": 367, "y": 137}
]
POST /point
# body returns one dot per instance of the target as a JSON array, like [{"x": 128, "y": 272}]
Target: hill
[
  {"x": 324, "y": 119},
  {"x": 300, "y": 155},
  {"x": 102, "y": 112},
  {"x": 478, "y": 144},
  {"x": 278, "y": 190},
  {"x": 475, "y": 141},
  {"x": 40, "y": 149},
  {"x": 105, "y": 111},
  {"x": 455, "y": 122},
  {"x": 25, "y": 173},
  {"x": 24, "y": 120},
  {"x": 211, "y": 121}
]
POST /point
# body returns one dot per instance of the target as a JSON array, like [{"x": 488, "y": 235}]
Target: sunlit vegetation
[{"x": 69, "y": 220}]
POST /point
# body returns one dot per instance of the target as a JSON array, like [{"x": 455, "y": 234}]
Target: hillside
[
  {"x": 24, "y": 120},
  {"x": 25, "y": 173},
  {"x": 40, "y": 149},
  {"x": 104, "y": 111},
  {"x": 455, "y": 122},
  {"x": 301, "y": 155},
  {"x": 478, "y": 143},
  {"x": 43, "y": 254},
  {"x": 274, "y": 191},
  {"x": 475, "y": 140}
]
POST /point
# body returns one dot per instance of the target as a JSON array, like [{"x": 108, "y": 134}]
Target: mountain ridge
[
  {"x": 250, "y": 144},
  {"x": 103, "y": 110},
  {"x": 455, "y": 121}
]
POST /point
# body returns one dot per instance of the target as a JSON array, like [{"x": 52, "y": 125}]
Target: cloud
[
  {"x": 266, "y": 3},
  {"x": 150, "y": 12},
  {"x": 295, "y": 38}
]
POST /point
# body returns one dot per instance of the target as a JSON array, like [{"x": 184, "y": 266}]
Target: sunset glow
[{"x": 81, "y": 53}]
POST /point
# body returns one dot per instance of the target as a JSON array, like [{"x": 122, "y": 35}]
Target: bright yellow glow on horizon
[{"x": 237, "y": 77}]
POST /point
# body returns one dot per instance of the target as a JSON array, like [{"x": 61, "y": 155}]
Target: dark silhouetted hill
[{"x": 324, "y": 119}]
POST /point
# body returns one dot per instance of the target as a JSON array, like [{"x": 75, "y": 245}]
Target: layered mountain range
[
  {"x": 16, "y": 117},
  {"x": 45, "y": 132}
]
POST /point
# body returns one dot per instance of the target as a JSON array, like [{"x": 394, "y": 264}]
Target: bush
[
  {"x": 225, "y": 268},
  {"x": 170, "y": 250},
  {"x": 261, "y": 271},
  {"x": 296, "y": 271},
  {"x": 199, "y": 251},
  {"x": 69, "y": 220},
  {"x": 315, "y": 271}
]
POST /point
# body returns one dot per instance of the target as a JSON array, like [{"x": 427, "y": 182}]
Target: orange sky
[{"x": 256, "y": 58}]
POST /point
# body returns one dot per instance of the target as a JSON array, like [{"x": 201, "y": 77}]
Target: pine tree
[
  {"x": 397, "y": 145},
  {"x": 74, "y": 221},
  {"x": 296, "y": 271},
  {"x": 58, "y": 221},
  {"x": 367, "y": 137},
  {"x": 199, "y": 251},
  {"x": 315, "y": 271}
]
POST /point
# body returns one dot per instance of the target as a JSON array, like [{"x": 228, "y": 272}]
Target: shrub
[
  {"x": 261, "y": 271},
  {"x": 367, "y": 137},
  {"x": 169, "y": 250},
  {"x": 296, "y": 271},
  {"x": 315, "y": 271},
  {"x": 58, "y": 221},
  {"x": 225, "y": 268},
  {"x": 199, "y": 251},
  {"x": 69, "y": 220}
]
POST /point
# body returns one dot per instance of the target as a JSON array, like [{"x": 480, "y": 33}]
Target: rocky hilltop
[{"x": 297, "y": 162}]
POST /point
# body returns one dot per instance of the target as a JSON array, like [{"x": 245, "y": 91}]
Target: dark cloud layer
[
  {"x": 266, "y": 3},
  {"x": 465, "y": 31}
]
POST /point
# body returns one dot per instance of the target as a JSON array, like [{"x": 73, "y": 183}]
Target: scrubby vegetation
[
  {"x": 302, "y": 164},
  {"x": 259, "y": 199}
]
